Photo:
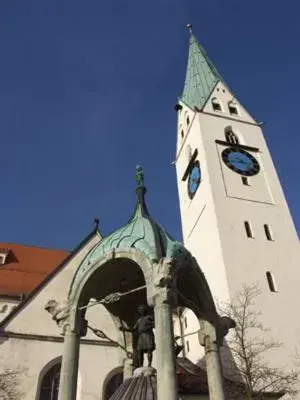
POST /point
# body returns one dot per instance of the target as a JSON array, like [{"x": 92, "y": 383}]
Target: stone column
[
  {"x": 208, "y": 339},
  {"x": 166, "y": 369},
  {"x": 69, "y": 368}
]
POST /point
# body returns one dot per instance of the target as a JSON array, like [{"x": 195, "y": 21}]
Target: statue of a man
[{"x": 143, "y": 336}]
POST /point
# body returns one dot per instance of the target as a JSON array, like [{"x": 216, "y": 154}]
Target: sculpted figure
[
  {"x": 143, "y": 336},
  {"x": 59, "y": 312}
]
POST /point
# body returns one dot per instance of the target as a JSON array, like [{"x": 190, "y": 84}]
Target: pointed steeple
[{"x": 201, "y": 75}]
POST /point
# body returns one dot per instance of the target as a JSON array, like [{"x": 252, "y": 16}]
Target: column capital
[
  {"x": 162, "y": 296},
  {"x": 215, "y": 334},
  {"x": 160, "y": 291},
  {"x": 207, "y": 333}
]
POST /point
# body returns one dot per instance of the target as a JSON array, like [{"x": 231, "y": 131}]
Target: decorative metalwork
[{"x": 139, "y": 176}]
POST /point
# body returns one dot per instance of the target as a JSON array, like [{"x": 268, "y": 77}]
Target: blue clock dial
[
  {"x": 194, "y": 179},
  {"x": 240, "y": 161}
]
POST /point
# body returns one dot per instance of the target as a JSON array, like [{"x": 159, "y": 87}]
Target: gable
[
  {"x": 30, "y": 317},
  {"x": 225, "y": 98}
]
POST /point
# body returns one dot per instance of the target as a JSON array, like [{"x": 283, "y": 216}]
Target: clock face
[
  {"x": 240, "y": 161},
  {"x": 194, "y": 179}
]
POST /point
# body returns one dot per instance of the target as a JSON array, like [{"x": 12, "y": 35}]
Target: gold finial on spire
[{"x": 189, "y": 26}]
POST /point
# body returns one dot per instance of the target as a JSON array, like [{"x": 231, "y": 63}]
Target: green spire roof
[{"x": 201, "y": 76}]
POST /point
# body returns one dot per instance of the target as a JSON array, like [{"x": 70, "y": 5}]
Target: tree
[
  {"x": 9, "y": 384},
  {"x": 244, "y": 354}
]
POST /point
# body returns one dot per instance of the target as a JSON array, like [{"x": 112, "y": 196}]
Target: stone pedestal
[{"x": 144, "y": 371}]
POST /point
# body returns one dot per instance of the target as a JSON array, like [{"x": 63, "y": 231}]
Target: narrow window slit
[
  {"x": 187, "y": 346},
  {"x": 185, "y": 322},
  {"x": 248, "y": 229},
  {"x": 271, "y": 282},
  {"x": 268, "y": 232}
]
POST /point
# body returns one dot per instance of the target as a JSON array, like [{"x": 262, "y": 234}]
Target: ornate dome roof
[{"x": 141, "y": 232}]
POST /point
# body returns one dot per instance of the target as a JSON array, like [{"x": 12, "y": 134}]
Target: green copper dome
[
  {"x": 141, "y": 233},
  {"x": 201, "y": 76}
]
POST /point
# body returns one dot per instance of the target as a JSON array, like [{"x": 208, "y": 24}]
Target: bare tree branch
[
  {"x": 244, "y": 359},
  {"x": 9, "y": 384}
]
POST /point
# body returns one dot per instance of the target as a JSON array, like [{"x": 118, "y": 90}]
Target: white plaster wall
[
  {"x": 32, "y": 356},
  {"x": 194, "y": 351},
  {"x": 198, "y": 217},
  {"x": 95, "y": 364}
]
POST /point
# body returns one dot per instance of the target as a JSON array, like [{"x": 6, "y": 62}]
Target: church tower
[{"x": 235, "y": 218}]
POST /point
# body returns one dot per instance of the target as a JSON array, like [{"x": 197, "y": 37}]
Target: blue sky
[{"x": 87, "y": 90}]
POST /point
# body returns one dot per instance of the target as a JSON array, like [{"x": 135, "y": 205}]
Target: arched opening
[
  {"x": 186, "y": 333},
  {"x": 119, "y": 275},
  {"x": 48, "y": 383},
  {"x": 111, "y": 383},
  {"x": 230, "y": 136}
]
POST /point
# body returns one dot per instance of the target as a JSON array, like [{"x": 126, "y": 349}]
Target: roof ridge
[{"x": 33, "y": 246}]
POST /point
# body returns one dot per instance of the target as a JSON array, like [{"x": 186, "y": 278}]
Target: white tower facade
[{"x": 235, "y": 218}]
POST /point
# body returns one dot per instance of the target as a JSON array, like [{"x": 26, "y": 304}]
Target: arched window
[
  {"x": 233, "y": 110},
  {"x": 112, "y": 382},
  {"x": 216, "y": 105},
  {"x": 230, "y": 136},
  {"x": 50, "y": 383},
  {"x": 187, "y": 120}
]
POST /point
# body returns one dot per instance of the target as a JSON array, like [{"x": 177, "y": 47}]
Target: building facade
[{"x": 31, "y": 342}]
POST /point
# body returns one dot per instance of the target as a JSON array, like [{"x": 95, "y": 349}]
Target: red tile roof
[{"x": 26, "y": 267}]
